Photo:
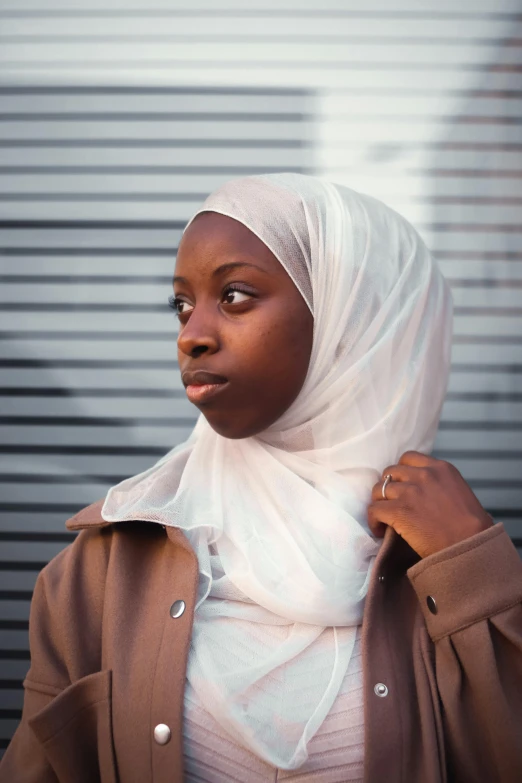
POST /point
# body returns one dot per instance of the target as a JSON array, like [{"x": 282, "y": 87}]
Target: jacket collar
[{"x": 88, "y": 517}]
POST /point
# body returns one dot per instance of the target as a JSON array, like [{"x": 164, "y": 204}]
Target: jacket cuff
[{"x": 468, "y": 582}]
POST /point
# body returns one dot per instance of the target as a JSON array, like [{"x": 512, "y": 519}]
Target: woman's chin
[{"x": 232, "y": 427}]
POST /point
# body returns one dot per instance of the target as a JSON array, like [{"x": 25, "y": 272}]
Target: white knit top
[{"x": 336, "y": 752}]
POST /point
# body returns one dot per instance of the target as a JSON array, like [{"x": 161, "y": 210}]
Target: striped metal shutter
[{"x": 117, "y": 119}]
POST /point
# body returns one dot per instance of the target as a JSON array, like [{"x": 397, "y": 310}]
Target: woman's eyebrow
[
  {"x": 224, "y": 268},
  {"x": 234, "y": 265}
]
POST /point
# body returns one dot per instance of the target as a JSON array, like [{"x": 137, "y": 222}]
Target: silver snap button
[
  {"x": 380, "y": 690},
  {"x": 432, "y": 604},
  {"x": 162, "y": 734},
  {"x": 177, "y": 609},
  {"x": 381, "y": 578}
]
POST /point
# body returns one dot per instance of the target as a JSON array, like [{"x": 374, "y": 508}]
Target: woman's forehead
[
  {"x": 276, "y": 216},
  {"x": 216, "y": 233},
  {"x": 215, "y": 242}
]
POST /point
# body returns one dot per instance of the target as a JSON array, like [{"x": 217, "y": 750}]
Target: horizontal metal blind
[{"x": 104, "y": 153}]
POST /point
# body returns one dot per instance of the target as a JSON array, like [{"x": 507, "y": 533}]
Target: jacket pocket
[{"x": 75, "y": 731}]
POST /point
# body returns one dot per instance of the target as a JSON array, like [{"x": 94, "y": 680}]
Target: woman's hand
[{"x": 428, "y": 503}]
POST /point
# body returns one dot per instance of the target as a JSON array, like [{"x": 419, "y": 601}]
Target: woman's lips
[
  {"x": 201, "y": 385},
  {"x": 198, "y": 393}
]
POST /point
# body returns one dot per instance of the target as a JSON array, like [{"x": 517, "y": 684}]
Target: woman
[{"x": 299, "y": 591}]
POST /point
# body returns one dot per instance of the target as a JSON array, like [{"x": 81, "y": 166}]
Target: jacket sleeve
[
  {"x": 471, "y": 598},
  {"x": 65, "y": 608}
]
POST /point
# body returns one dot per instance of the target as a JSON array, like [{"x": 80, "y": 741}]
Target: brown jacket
[{"x": 108, "y": 660}]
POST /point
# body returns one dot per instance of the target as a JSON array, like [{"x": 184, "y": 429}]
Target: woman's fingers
[
  {"x": 382, "y": 515},
  {"x": 416, "y": 459},
  {"x": 427, "y": 502},
  {"x": 392, "y": 490},
  {"x": 393, "y": 487}
]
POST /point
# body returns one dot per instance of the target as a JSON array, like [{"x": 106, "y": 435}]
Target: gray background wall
[{"x": 118, "y": 117}]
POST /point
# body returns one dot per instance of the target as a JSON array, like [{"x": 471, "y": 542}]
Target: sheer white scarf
[{"x": 278, "y": 521}]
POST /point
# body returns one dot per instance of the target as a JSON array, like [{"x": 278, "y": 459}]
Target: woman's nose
[{"x": 197, "y": 336}]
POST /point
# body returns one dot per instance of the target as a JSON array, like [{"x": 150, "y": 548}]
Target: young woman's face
[{"x": 245, "y": 330}]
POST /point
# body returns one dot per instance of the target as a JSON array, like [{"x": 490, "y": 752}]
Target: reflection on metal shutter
[
  {"x": 96, "y": 187},
  {"x": 417, "y": 102}
]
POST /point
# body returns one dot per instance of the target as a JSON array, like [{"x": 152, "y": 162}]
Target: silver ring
[{"x": 387, "y": 479}]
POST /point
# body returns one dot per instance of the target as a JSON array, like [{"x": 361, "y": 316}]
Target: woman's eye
[
  {"x": 233, "y": 296},
  {"x": 179, "y": 306}
]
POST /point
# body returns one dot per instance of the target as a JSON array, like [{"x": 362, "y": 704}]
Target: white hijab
[{"x": 278, "y": 521}]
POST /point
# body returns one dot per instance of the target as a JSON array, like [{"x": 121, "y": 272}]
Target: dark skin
[
  {"x": 249, "y": 324},
  {"x": 428, "y": 503},
  {"x": 247, "y": 321}
]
